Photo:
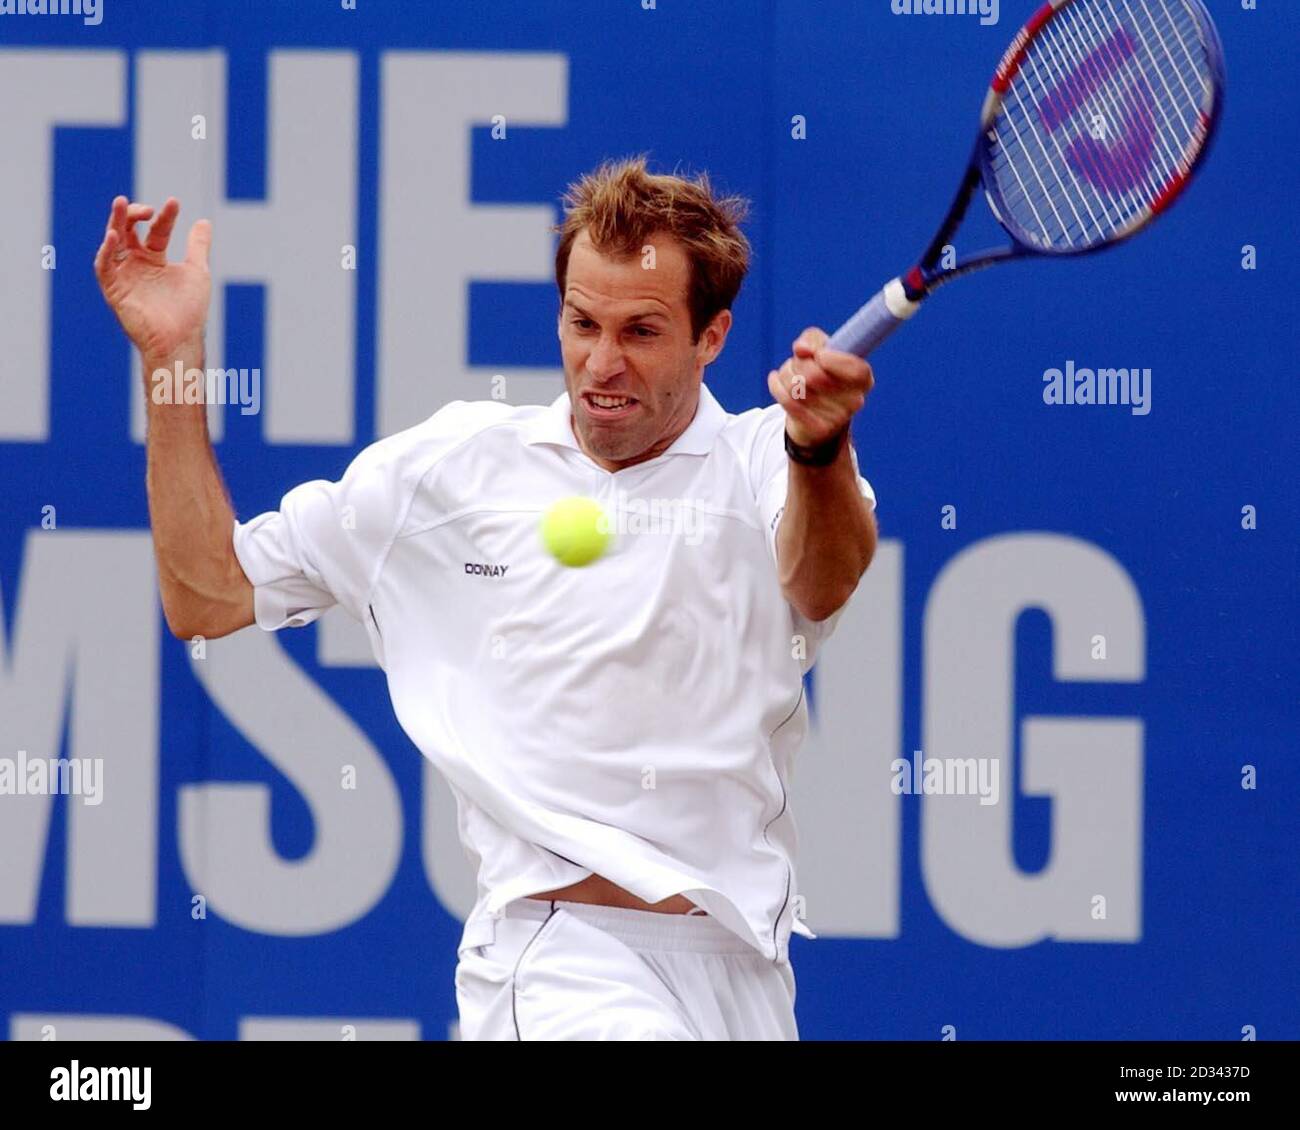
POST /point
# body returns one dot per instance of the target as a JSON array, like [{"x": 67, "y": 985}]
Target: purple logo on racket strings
[{"x": 1114, "y": 151}]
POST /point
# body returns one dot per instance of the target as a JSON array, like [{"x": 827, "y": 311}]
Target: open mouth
[{"x": 608, "y": 407}]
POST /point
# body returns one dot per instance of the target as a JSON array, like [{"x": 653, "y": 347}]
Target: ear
[{"x": 714, "y": 336}]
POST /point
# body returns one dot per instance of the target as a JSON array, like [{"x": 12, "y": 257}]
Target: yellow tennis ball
[{"x": 575, "y": 531}]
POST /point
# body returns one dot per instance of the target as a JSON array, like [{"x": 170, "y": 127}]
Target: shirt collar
[{"x": 553, "y": 425}]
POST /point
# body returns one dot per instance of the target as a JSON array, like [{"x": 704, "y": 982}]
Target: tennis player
[{"x": 618, "y": 737}]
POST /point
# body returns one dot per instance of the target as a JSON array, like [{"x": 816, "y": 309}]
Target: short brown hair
[{"x": 621, "y": 205}]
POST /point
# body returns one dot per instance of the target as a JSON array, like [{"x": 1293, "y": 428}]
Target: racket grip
[{"x": 875, "y": 321}]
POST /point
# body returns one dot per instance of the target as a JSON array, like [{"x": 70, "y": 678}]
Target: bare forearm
[
  {"x": 204, "y": 589},
  {"x": 826, "y": 538},
  {"x": 162, "y": 307}
]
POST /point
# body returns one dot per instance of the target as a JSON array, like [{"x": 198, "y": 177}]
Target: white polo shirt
[{"x": 635, "y": 718}]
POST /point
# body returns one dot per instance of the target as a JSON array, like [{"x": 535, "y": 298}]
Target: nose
[{"x": 606, "y": 359}]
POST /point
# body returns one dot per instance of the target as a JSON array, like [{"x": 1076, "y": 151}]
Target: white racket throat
[{"x": 897, "y": 302}]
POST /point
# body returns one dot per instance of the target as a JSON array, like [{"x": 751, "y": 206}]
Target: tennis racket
[{"x": 1098, "y": 115}]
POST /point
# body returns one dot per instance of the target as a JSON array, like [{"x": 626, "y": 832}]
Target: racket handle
[{"x": 875, "y": 321}]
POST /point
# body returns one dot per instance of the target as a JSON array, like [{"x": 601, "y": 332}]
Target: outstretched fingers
[
  {"x": 160, "y": 232},
  {"x": 119, "y": 235},
  {"x": 122, "y": 218},
  {"x": 117, "y": 215},
  {"x": 196, "y": 247},
  {"x": 104, "y": 256}
]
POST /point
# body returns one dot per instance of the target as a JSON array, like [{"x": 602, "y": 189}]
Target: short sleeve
[
  {"x": 327, "y": 542},
  {"x": 323, "y": 546},
  {"x": 770, "y": 468}
]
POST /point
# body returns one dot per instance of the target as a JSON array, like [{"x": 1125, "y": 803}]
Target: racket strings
[
  {"x": 1121, "y": 116},
  {"x": 1128, "y": 102},
  {"x": 1105, "y": 113},
  {"x": 1123, "y": 167},
  {"x": 1090, "y": 72},
  {"x": 1169, "y": 65},
  {"x": 1160, "y": 65},
  {"x": 1061, "y": 64}
]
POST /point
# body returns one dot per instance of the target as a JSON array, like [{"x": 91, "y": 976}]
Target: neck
[{"x": 656, "y": 449}]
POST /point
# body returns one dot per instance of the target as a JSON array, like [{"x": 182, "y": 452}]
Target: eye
[
  {"x": 644, "y": 331},
  {"x": 581, "y": 323}
]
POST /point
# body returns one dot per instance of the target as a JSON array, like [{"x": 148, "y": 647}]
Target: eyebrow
[{"x": 641, "y": 317}]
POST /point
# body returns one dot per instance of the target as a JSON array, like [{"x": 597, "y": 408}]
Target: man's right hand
[{"x": 162, "y": 306}]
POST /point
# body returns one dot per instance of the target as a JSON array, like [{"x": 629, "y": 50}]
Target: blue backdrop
[{"x": 847, "y": 129}]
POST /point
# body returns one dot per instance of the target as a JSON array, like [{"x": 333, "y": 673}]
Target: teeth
[{"x": 610, "y": 401}]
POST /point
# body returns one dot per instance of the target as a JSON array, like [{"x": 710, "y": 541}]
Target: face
[{"x": 632, "y": 372}]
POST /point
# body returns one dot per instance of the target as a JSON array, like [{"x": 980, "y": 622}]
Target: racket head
[{"x": 1096, "y": 119}]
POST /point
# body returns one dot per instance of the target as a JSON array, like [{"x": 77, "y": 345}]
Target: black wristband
[{"x": 816, "y": 455}]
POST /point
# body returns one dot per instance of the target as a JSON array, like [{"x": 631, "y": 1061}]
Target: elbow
[
  {"x": 184, "y": 625},
  {"x": 179, "y": 617},
  {"x": 824, "y": 605},
  {"x": 190, "y": 628},
  {"x": 209, "y": 607},
  {"x": 828, "y": 599},
  {"x": 188, "y": 620},
  {"x": 869, "y": 546}
]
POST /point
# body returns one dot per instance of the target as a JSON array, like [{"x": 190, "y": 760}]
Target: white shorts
[{"x": 572, "y": 971}]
